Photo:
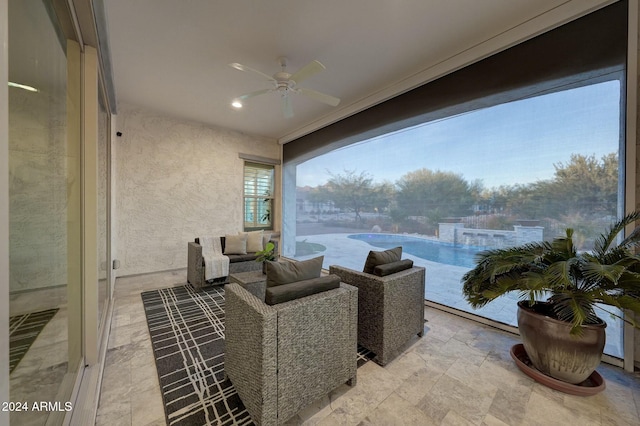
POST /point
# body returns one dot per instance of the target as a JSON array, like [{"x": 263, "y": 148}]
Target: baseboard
[{"x": 152, "y": 272}]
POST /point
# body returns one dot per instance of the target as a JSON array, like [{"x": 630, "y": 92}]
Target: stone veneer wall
[
  {"x": 456, "y": 233},
  {"x": 176, "y": 180},
  {"x": 37, "y": 190}
]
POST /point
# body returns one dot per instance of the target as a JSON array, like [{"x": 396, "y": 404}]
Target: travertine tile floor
[{"x": 459, "y": 373}]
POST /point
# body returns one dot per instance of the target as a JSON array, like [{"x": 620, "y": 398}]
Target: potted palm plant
[{"x": 560, "y": 289}]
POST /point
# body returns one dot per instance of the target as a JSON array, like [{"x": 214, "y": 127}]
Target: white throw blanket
[{"x": 216, "y": 264}]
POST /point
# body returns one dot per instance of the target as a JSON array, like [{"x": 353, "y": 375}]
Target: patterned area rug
[
  {"x": 187, "y": 333},
  {"x": 23, "y": 330}
]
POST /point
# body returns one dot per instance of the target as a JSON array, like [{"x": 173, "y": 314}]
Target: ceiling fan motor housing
[{"x": 283, "y": 81}]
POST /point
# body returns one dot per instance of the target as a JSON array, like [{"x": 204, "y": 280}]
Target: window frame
[
  {"x": 252, "y": 180},
  {"x": 558, "y": 59}
]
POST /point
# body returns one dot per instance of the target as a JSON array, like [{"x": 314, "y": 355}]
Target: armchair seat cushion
[
  {"x": 235, "y": 258},
  {"x": 296, "y": 290}
]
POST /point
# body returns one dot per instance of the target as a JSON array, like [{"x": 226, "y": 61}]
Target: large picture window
[
  {"x": 258, "y": 196},
  {"x": 445, "y": 190},
  {"x": 510, "y": 150}
]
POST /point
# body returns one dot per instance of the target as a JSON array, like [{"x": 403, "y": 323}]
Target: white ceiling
[{"x": 172, "y": 56}]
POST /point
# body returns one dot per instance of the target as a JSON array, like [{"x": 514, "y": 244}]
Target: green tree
[
  {"x": 495, "y": 200},
  {"x": 383, "y": 195},
  {"x": 319, "y": 195},
  {"x": 436, "y": 194},
  {"x": 586, "y": 184},
  {"x": 355, "y": 192},
  {"x": 582, "y": 187}
]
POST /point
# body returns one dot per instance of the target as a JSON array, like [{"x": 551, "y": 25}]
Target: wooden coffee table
[{"x": 255, "y": 282}]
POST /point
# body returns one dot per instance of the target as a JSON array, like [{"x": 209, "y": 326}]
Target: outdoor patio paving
[{"x": 443, "y": 284}]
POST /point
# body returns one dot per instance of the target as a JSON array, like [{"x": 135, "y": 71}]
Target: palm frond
[
  {"x": 622, "y": 301},
  {"x": 559, "y": 274},
  {"x": 631, "y": 321},
  {"x": 574, "y": 307},
  {"x": 604, "y": 241},
  {"x": 629, "y": 283},
  {"x": 600, "y": 274},
  {"x": 563, "y": 246}
]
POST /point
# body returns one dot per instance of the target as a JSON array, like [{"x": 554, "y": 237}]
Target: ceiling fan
[{"x": 285, "y": 84}]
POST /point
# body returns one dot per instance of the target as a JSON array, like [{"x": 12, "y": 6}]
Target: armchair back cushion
[
  {"x": 376, "y": 258},
  {"x": 279, "y": 273},
  {"x": 292, "y": 291},
  {"x": 393, "y": 267}
]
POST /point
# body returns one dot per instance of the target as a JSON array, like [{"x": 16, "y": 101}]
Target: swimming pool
[{"x": 434, "y": 251}]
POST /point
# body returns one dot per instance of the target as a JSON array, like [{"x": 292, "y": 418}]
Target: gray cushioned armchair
[
  {"x": 390, "y": 309},
  {"x": 283, "y": 357}
]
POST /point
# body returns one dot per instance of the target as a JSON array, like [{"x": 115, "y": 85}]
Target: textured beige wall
[{"x": 175, "y": 180}]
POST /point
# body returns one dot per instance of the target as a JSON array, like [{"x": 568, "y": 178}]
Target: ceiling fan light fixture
[
  {"x": 236, "y": 104},
  {"x": 285, "y": 84}
]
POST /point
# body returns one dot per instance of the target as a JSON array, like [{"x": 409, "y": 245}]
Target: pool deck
[{"x": 442, "y": 285}]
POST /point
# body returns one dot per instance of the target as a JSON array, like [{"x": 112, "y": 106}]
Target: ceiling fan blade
[
  {"x": 287, "y": 109},
  {"x": 307, "y": 71},
  {"x": 322, "y": 97},
  {"x": 252, "y": 94},
  {"x": 246, "y": 68}
]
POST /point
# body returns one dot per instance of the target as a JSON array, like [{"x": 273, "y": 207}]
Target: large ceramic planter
[{"x": 553, "y": 351}]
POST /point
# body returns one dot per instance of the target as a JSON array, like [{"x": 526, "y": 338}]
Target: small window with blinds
[{"x": 258, "y": 196}]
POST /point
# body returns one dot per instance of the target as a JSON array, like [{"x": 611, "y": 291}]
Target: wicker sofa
[
  {"x": 390, "y": 309},
  {"x": 237, "y": 263},
  {"x": 285, "y": 356}
]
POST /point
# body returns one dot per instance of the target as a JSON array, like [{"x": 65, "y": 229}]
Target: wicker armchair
[
  {"x": 390, "y": 309},
  {"x": 283, "y": 357}
]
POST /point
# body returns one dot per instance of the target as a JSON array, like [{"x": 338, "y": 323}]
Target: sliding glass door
[{"x": 44, "y": 211}]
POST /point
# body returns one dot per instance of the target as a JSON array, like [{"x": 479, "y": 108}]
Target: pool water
[{"x": 434, "y": 251}]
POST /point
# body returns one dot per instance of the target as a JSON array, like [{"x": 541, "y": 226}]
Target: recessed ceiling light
[
  {"x": 236, "y": 104},
  {"x": 23, "y": 86}
]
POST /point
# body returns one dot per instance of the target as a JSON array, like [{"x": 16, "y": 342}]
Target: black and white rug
[
  {"x": 23, "y": 330},
  {"x": 187, "y": 334}
]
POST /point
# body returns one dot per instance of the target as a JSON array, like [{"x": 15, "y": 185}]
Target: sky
[{"x": 514, "y": 143}]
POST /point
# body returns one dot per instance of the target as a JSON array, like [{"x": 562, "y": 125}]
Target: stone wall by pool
[{"x": 456, "y": 233}]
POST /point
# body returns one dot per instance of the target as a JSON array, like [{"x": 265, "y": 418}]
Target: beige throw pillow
[
  {"x": 254, "y": 241},
  {"x": 235, "y": 244},
  {"x": 266, "y": 237}
]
